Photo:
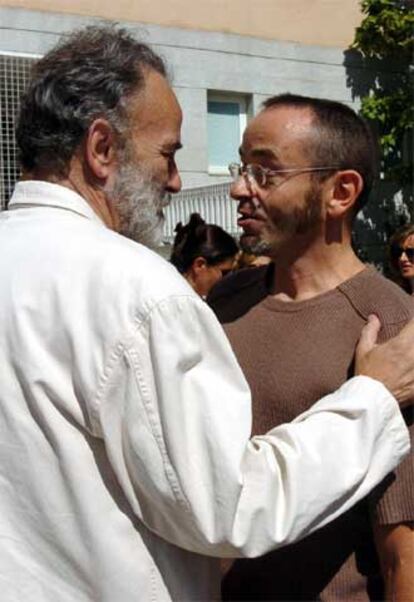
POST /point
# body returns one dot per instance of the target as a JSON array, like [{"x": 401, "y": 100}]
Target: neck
[
  {"x": 91, "y": 191},
  {"x": 320, "y": 266},
  {"x": 192, "y": 282}
]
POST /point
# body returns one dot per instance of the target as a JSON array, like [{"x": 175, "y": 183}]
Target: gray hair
[{"x": 88, "y": 75}]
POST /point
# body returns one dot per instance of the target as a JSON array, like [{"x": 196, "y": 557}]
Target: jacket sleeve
[{"x": 176, "y": 419}]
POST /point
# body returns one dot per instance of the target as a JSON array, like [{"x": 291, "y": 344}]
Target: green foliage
[
  {"x": 387, "y": 30},
  {"x": 385, "y": 37}
]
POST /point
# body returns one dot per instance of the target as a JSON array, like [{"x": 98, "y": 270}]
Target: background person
[
  {"x": 126, "y": 463},
  {"x": 401, "y": 252},
  {"x": 203, "y": 253}
]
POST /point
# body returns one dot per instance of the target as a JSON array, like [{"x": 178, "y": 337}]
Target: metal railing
[
  {"x": 212, "y": 202},
  {"x": 14, "y": 76}
]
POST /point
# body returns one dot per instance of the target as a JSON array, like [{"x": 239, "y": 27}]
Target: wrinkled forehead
[
  {"x": 155, "y": 106},
  {"x": 277, "y": 131}
]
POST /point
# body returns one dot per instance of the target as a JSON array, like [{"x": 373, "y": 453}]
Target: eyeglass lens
[
  {"x": 398, "y": 251},
  {"x": 255, "y": 173}
]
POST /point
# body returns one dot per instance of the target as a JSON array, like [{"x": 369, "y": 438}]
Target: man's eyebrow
[
  {"x": 264, "y": 153},
  {"x": 261, "y": 153}
]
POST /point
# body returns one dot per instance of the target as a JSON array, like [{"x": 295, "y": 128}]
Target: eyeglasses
[
  {"x": 397, "y": 251},
  {"x": 259, "y": 175}
]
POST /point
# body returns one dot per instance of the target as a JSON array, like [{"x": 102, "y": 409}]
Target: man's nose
[
  {"x": 174, "y": 183},
  {"x": 240, "y": 188}
]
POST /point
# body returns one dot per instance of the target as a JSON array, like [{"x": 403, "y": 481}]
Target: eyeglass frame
[
  {"x": 396, "y": 252},
  {"x": 266, "y": 172}
]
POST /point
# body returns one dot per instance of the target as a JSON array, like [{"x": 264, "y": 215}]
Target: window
[{"x": 226, "y": 121}]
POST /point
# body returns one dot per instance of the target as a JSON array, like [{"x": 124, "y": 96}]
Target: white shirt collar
[{"x": 45, "y": 194}]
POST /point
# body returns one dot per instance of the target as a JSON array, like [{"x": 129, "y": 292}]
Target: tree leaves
[{"x": 386, "y": 34}]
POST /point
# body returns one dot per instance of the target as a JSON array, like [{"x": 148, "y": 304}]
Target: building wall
[
  {"x": 199, "y": 62},
  {"x": 321, "y": 22},
  {"x": 202, "y": 61}
]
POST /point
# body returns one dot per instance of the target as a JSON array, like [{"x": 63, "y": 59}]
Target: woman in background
[
  {"x": 402, "y": 257},
  {"x": 203, "y": 253}
]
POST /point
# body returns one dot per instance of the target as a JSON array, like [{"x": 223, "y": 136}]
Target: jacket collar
[{"x": 36, "y": 193}]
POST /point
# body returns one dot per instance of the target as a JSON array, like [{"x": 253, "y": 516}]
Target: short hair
[
  {"x": 87, "y": 75},
  {"x": 198, "y": 239},
  {"x": 342, "y": 138}
]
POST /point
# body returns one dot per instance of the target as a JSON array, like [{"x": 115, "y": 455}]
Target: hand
[{"x": 392, "y": 363}]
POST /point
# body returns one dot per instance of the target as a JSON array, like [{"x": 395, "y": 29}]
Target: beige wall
[{"x": 321, "y": 22}]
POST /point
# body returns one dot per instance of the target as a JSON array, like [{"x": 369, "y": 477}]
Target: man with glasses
[{"x": 307, "y": 167}]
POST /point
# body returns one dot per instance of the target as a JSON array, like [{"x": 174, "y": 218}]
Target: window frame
[{"x": 234, "y": 98}]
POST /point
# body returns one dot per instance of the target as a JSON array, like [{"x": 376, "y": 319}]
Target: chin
[
  {"x": 252, "y": 243},
  {"x": 150, "y": 235},
  {"x": 154, "y": 238}
]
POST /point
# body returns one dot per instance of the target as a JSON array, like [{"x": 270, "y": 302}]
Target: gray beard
[{"x": 139, "y": 201}]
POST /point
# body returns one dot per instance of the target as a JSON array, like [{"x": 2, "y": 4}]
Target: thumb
[{"x": 368, "y": 338}]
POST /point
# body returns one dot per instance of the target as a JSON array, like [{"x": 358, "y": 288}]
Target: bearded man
[
  {"x": 308, "y": 167},
  {"x": 126, "y": 463}
]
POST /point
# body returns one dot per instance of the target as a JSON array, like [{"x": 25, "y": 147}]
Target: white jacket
[{"x": 125, "y": 424}]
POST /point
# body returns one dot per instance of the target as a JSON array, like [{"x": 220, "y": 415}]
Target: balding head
[{"x": 336, "y": 136}]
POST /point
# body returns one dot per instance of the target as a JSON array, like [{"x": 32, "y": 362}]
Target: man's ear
[
  {"x": 346, "y": 186},
  {"x": 100, "y": 148}
]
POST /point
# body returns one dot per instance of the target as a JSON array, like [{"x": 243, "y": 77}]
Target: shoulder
[
  {"x": 117, "y": 279},
  {"x": 138, "y": 271},
  {"x": 370, "y": 292},
  {"x": 238, "y": 292}
]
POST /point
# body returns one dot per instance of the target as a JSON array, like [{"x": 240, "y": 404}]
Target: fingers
[
  {"x": 392, "y": 363},
  {"x": 368, "y": 338}
]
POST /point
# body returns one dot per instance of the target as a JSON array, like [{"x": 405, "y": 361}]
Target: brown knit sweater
[{"x": 292, "y": 354}]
